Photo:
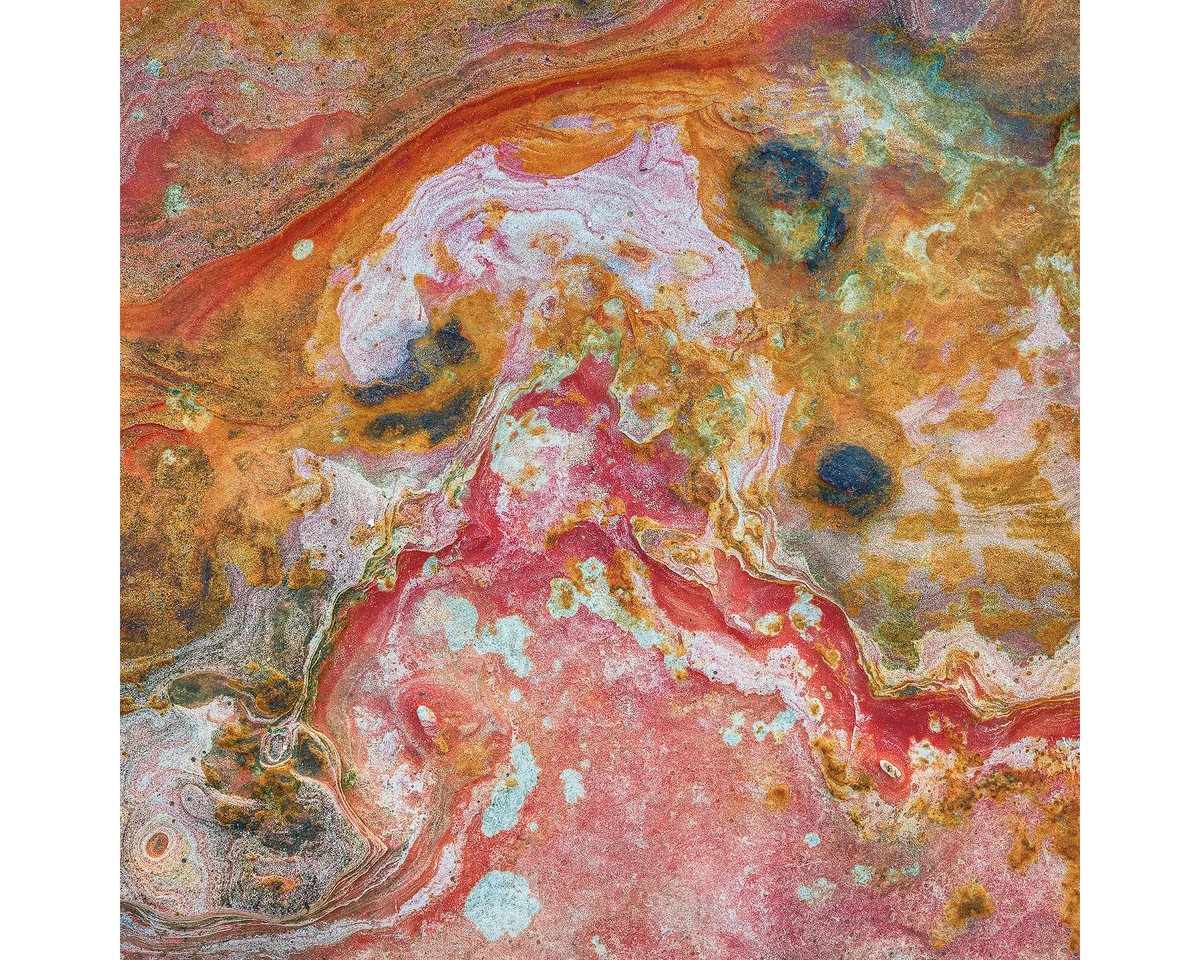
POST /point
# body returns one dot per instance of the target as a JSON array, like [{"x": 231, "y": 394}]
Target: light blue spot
[
  {"x": 501, "y": 903},
  {"x": 804, "y": 613},
  {"x": 572, "y": 785},
  {"x": 460, "y": 627},
  {"x": 732, "y": 734},
  {"x": 507, "y": 638}
]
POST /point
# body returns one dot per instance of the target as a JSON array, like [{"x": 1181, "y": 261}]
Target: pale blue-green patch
[
  {"x": 572, "y": 781},
  {"x": 461, "y": 622},
  {"x": 820, "y": 889},
  {"x": 783, "y": 722},
  {"x": 804, "y": 613},
  {"x": 677, "y": 662},
  {"x": 852, "y": 294},
  {"x": 302, "y": 249},
  {"x": 501, "y": 903},
  {"x": 173, "y": 202},
  {"x": 614, "y": 308},
  {"x": 732, "y": 734},
  {"x": 749, "y": 250},
  {"x": 912, "y": 107},
  {"x": 894, "y": 875},
  {"x": 507, "y": 638},
  {"x": 812, "y": 839},
  {"x": 505, "y": 808},
  {"x": 154, "y": 67},
  {"x": 862, "y": 874},
  {"x": 565, "y": 600}
]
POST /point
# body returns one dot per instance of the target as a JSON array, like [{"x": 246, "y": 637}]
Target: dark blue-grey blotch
[
  {"x": 854, "y": 479},
  {"x": 788, "y": 174},
  {"x": 427, "y": 355},
  {"x": 779, "y": 177}
]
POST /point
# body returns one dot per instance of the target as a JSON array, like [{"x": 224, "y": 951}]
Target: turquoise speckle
[
  {"x": 154, "y": 68},
  {"x": 302, "y": 249},
  {"x": 812, "y": 839}
]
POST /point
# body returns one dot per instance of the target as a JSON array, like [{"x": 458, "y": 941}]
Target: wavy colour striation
[{"x": 600, "y": 479}]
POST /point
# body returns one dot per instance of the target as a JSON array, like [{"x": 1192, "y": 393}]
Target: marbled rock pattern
[{"x": 600, "y": 480}]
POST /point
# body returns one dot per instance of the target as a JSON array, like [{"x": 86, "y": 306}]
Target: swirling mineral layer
[{"x": 600, "y": 480}]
